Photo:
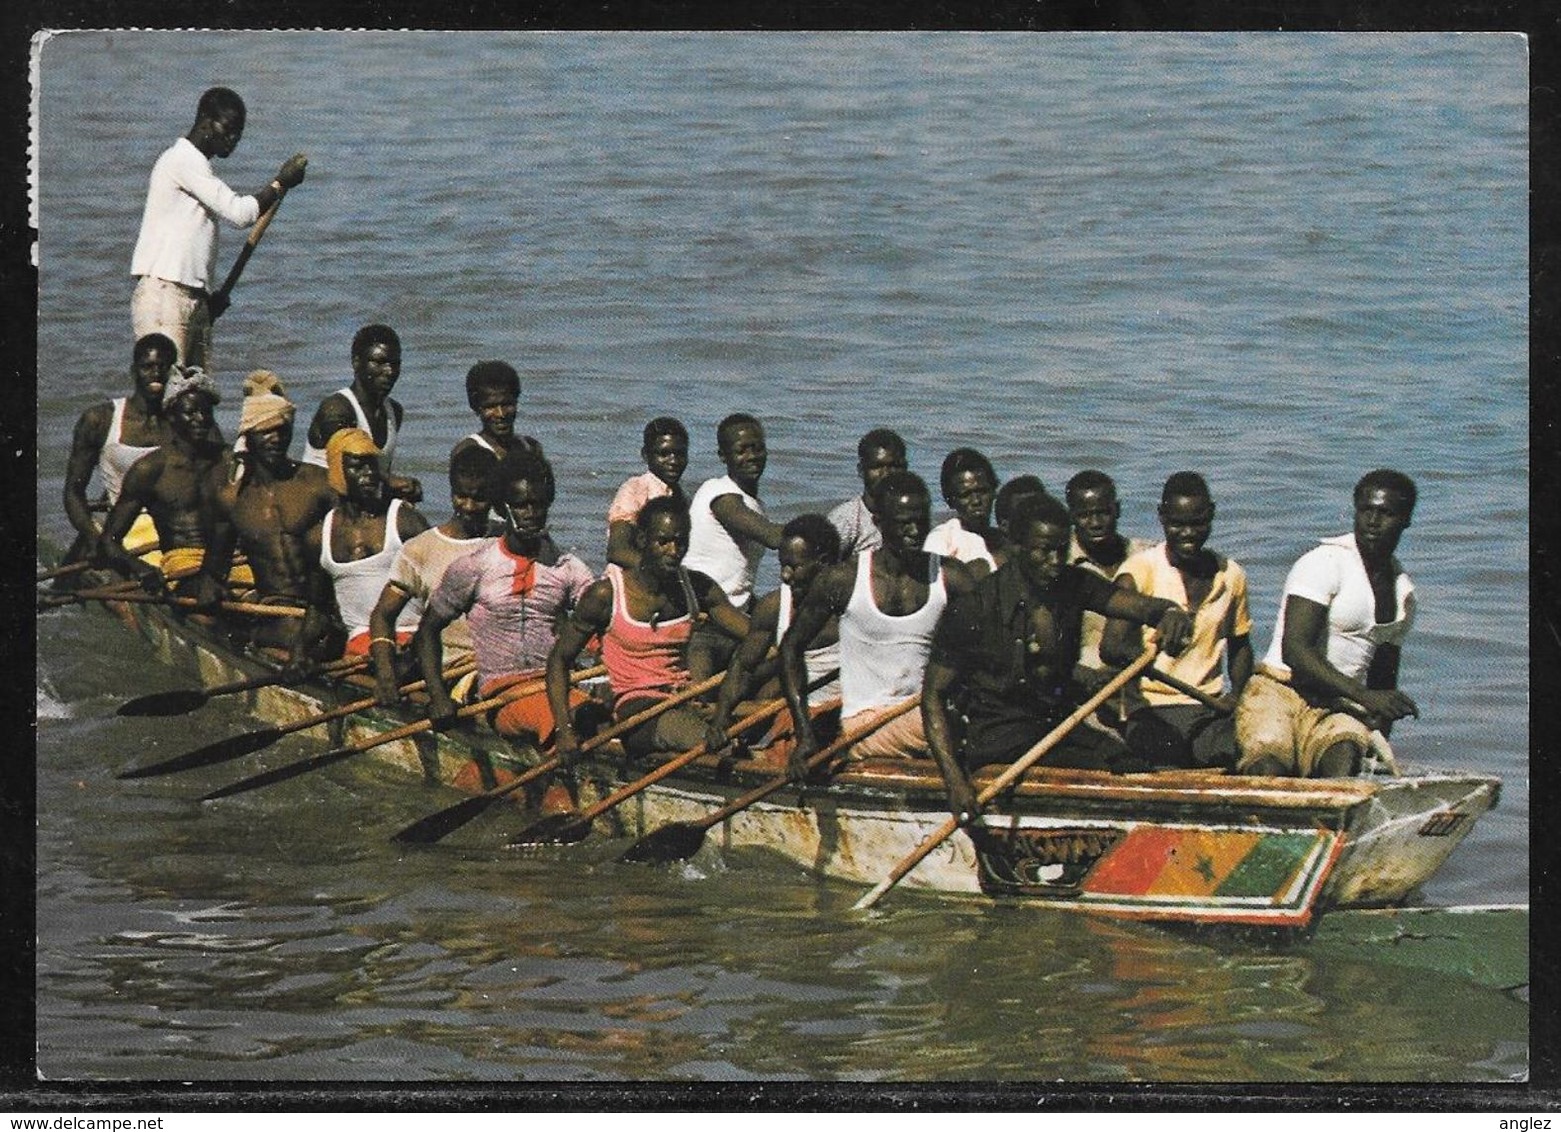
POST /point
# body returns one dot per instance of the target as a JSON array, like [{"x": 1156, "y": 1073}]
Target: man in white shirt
[
  {"x": 176, "y": 252},
  {"x": 1330, "y": 678}
]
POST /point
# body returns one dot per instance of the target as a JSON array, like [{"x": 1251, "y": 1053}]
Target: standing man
[
  {"x": 888, "y": 601},
  {"x": 113, "y": 435},
  {"x": 1005, "y": 654},
  {"x": 366, "y": 404},
  {"x": 1330, "y": 677},
  {"x": 1173, "y": 729},
  {"x": 176, "y": 253}
]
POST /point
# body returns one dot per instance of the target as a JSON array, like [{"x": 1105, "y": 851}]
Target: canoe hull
[{"x": 1180, "y": 846}]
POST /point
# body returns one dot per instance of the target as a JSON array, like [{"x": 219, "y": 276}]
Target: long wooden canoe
[{"x": 1189, "y": 846}]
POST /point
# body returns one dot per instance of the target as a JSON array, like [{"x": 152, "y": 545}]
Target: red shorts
[
  {"x": 528, "y": 717},
  {"x": 360, "y": 644}
]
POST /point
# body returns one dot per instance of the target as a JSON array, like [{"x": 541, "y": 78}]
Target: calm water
[{"x": 1278, "y": 260}]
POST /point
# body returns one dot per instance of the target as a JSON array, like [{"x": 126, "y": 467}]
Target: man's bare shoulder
[
  {"x": 92, "y": 425},
  {"x": 957, "y": 577}
]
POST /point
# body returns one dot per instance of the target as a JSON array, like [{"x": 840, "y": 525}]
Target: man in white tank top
[
  {"x": 888, "y": 601},
  {"x": 113, "y": 435},
  {"x": 368, "y": 405}
]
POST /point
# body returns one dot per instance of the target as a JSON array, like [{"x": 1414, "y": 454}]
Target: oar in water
[
  {"x": 236, "y": 746},
  {"x": 1009, "y": 776},
  {"x": 565, "y": 829},
  {"x": 424, "y": 831},
  {"x": 337, "y": 754},
  {"x": 181, "y": 701},
  {"x": 679, "y": 840}
]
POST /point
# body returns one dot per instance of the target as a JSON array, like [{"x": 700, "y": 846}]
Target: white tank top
[
  {"x": 358, "y": 584},
  {"x": 819, "y": 661},
  {"x": 712, "y": 550},
  {"x": 115, "y": 457},
  {"x": 484, "y": 443},
  {"x": 882, "y": 657},
  {"x": 316, "y": 456}
]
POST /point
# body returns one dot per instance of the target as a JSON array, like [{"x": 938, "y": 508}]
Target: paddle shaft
[
  {"x": 1187, "y": 689},
  {"x": 451, "y": 818},
  {"x": 1009, "y": 776},
  {"x": 248, "y": 608},
  {"x": 86, "y": 563},
  {"x": 257, "y": 231}
]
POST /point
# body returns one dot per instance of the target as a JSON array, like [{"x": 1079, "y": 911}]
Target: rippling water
[{"x": 1280, "y": 260}]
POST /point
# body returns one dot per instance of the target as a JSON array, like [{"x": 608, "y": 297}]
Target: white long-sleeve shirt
[{"x": 184, "y": 198}]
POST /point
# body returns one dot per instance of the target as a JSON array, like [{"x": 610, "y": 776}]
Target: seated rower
[
  {"x": 1000, "y": 538},
  {"x": 1097, "y": 546},
  {"x": 968, "y": 484},
  {"x": 1173, "y": 729},
  {"x": 366, "y": 404},
  {"x": 361, "y": 535},
  {"x": 514, "y": 591},
  {"x": 168, "y": 483},
  {"x": 421, "y": 563},
  {"x": 665, "y": 452},
  {"x": 879, "y": 452},
  {"x": 493, "y": 392},
  {"x": 729, "y": 534},
  {"x": 808, "y": 544},
  {"x": 1326, "y": 695},
  {"x": 644, "y": 616},
  {"x": 888, "y": 601},
  {"x": 1005, "y": 651},
  {"x": 261, "y": 501},
  {"x": 111, "y": 437}
]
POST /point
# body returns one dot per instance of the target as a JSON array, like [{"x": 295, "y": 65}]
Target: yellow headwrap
[
  {"x": 346, "y": 442},
  {"x": 264, "y": 405}
]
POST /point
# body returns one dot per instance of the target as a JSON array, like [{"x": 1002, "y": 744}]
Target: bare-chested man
[
  {"x": 366, "y": 404},
  {"x": 112, "y": 435},
  {"x": 168, "y": 483},
  {"x": 271, "y": 506}
]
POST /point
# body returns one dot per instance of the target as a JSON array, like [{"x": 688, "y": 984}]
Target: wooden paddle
[
  {"x": 236, "y": 746},
  {"x": 219, "y": 300},
  {"x": 427, "y": 830},
  {"x": 181, "y": 701},
  {"x": 679, "y": 840},
  {"x": 248, "y": 608},
  {"x": 336, "y": 755},
  {"x": 1009, "y": 776},
  {"x": 86, "y": 563},
  {"x": 1187, "y": 689},
  {"x": 566, "y": 829}
]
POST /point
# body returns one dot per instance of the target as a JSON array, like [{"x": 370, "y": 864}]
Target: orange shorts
[
  {"x": 359, "y": 644},
  {"x": 528, "y": 717}
]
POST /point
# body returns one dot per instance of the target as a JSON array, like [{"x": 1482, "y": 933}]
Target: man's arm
[
  {"x": 744, "y": 669},
  {"x": 86, "y": 444},
  {"x": 716, "y": 606},
  {"x": 620, "y": 544},
  {"x": 382, "y": 643},
  {"x": 135, "y": 493},
  {"x": 742, "y": 522},
  {"x": 1122, "y": 639},
  {"x": 592, "y": 615},
  {"x": 1304, "y": 650},
  {"x": 333, "y": 415},
  {"x": 830, "y": 595},
  {"x": 1238, "y": 662},
  {"x": 410, "y": 522},
  {"x": 937, "y": 680},
  {"x": 1169, "y": 619}
]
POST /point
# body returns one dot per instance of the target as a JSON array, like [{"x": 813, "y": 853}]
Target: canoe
[{"x": 1177, "y": 846}]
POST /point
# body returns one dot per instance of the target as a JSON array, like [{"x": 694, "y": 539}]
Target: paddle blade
[
  {"x": 281, "y": 773},
  {"x": 555, "y": 829},
  {"x": 675, "y": 841},
  {"x": 221, "y": 751},
  {"x": 178, "y": 702},
  {"x": 425, "y": 831}
]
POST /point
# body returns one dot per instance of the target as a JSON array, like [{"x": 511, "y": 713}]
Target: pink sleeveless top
[{"x": 644, "y": 661}]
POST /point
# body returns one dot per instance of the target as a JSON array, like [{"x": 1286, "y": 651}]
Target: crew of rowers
[{"x": 1003, "y": 619}]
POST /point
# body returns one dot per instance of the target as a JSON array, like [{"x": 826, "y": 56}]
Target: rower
[
  {"x": 808, "y": 544},
  {"x": 366, "y": 404},
  {"x": 888, "y": 601},
  {"x": 1005, "y": 651},
  {"x": 1325, "y": 697},
  {"x": 1172, "y": 728},
  {"x": 421, "y": 563},
  {"x": 645, "y": 616},
  {"x": 879, "y": 452},
  {"x": 969, "y": 484},
  {"x": 361, "y": 535},
  {"x": 513, "y": 590},
  {"x": 261, "y": 501},
  {"x": 111, "y": 436},
  {"x": 1000, "y": 538},
  {"x": 1097, "y": 546},
  {"x": 493, "y": 393},
  {"x": 730, "y": 533},
  {"x": 665, "y": 452},
  {"x": 168, "y": 482}
]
